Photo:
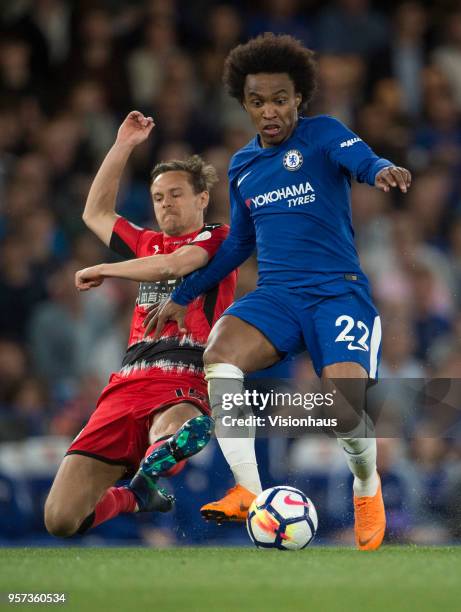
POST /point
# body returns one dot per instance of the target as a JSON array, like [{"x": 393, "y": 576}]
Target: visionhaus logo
[
  {"x": 261, "y": 410},
  {"x": 273, "y": 421}
]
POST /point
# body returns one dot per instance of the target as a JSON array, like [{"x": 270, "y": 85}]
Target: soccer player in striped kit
[{"x": 154, "y": 412}]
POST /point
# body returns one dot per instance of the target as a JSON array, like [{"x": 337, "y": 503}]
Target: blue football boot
[{"x": 187, "y": 441}]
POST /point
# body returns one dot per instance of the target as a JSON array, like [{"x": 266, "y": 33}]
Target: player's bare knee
[
  {"x": 209, "y": 355},
  {"x": 61, "y": 529},
  {"x": 217, "y": 353},
  {"x": 60, "y": 523}
]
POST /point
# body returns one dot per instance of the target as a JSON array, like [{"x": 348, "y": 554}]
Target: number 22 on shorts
[{"x": 358, "y": 339}]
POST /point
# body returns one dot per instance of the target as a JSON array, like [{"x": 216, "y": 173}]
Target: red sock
[
  {"x": 176, "y": 468},
  {"x": 113, "y": 502}
]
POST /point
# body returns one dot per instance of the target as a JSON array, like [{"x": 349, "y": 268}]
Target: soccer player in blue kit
[{"x": 290, "y": 198}]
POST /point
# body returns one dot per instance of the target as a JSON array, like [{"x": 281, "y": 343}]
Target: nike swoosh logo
[
  {"x": 242, "y": 178},
  {"x": 294, "y": 502},
  {"x": 351, "y": 347},
  {"x": 368, "y": 540}
]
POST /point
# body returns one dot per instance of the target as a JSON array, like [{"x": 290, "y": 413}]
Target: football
[{"x": 282, "y": 517}]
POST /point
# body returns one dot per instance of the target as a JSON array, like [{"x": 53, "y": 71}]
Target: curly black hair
[{"x": 271, "y": 53}]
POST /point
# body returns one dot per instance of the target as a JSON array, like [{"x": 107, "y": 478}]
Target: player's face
[
  {"x": 272, "y": 103},
  {"x": 177, "y": 208}
]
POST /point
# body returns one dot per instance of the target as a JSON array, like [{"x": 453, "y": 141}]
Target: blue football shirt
[{"x": 292, "y": 202}]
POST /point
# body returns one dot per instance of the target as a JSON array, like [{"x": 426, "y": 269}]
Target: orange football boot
[
  {"x": 232, "y": 507},
  {"x": 370, "y": 521}
]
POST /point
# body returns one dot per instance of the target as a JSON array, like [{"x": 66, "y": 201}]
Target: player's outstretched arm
[
  {"x": 347, "y": 150},
  {"x": 99, "y": 214},
  {"x": 185, "y": 260}
]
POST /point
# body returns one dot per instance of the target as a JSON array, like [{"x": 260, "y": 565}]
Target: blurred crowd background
[{"x": 69, "y": 73}]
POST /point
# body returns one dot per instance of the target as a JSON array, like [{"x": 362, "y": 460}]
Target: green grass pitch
[{"x": 240, "y": 579}]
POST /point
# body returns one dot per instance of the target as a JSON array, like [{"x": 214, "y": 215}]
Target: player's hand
[
  {"x": 161, "y": 312},
  {"x": 393, "y": 176},
  {"x": 88, "y": 278},
  {"x": 135, "y": 129}
]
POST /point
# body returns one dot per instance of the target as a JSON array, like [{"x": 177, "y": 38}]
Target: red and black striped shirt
[{"x": 173, "y": 351}]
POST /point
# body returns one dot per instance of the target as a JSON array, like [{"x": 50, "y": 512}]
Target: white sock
[
  {"x": 224, "y": 378},
  {"x": 360, "y": 455},
  {"x": 240, "y": 455}
]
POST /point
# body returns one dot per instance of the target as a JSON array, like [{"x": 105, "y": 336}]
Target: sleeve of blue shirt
[
  {"x": 347, "y": 151},
  {"x": 237, "y": 247}
]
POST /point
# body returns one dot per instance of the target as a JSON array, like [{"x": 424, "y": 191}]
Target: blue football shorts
[{"x": 336, "y": 322}]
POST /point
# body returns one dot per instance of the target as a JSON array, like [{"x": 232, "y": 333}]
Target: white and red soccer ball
[{"x": 282, "y": 517}]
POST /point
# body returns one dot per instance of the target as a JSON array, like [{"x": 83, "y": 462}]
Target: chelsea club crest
[{"x": 293, "y": 160}]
